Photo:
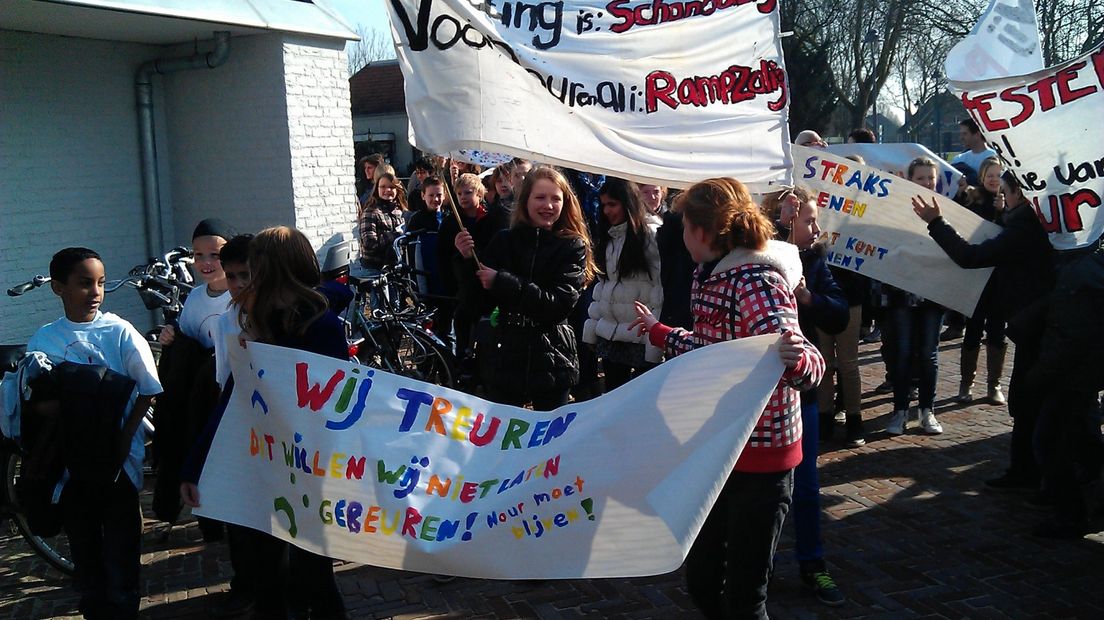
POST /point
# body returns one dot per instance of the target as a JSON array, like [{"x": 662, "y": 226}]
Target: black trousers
[
  {"x": 617, "y": 374},
  {"x": 732, "y": 558},
  {"x": 1024, "y": 404},
  {"x": 242, "y": 541},
  {"x": 104, "y": 524},
  {"x": 294, "y": 580},
  {"x": 1069, "y": 449}
]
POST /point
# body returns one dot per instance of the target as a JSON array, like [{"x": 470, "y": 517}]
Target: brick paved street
[{"x": 909, "y": 532}]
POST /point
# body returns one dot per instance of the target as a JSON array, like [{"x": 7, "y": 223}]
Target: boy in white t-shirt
[
  {"x": 102, "y": 520},
  {"x": 208, "y": 301}
]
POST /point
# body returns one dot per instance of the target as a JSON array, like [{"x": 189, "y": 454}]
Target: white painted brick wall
[
  {"x": 228, "y": 140},
  {"x": 231, "y": 147},
  {"x": 69, "y": 172},
  {"x": 321, "y": 138}
]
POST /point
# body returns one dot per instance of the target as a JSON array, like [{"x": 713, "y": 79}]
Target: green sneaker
[{"x": 824, "y": 587}]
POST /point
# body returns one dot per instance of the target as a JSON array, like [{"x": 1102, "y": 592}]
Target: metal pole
[{"x": 874, "y": 93}]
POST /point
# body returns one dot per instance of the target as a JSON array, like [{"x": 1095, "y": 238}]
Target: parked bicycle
[
  {"x": 389, "y": 325},
  {"x": 163, "y": 284}
]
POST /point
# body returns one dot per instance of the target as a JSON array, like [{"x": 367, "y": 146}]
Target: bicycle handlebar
[{"x": 34, "y": 283}]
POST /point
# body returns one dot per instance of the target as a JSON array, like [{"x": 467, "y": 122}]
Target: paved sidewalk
[{"x": 909, "y": 532}]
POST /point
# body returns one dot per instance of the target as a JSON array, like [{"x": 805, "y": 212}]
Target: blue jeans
[
  {"x": 806, "y": 491},
  {"x": 915, "y": 332}
]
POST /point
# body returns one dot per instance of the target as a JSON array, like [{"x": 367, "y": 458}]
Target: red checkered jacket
[{"x": 751, "y": 293}]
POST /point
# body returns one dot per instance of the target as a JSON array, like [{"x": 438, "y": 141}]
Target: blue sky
[{"x": 370, "y": 13}]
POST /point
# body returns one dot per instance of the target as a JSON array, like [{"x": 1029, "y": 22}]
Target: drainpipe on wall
[{"x": 143, "y": 85}]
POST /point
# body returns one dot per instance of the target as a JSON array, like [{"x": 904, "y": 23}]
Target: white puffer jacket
[{"x": 613, "y": 307}]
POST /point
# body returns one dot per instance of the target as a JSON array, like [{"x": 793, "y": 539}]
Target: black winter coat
[
  {"x": 1073, "y": 333},
  {"x": 676, "y": 273},
  {"x": 1021, "y": 253},
  {"x": 540, "y": 276}
]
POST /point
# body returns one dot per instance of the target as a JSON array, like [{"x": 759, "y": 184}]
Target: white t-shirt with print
[
  {"x": 201, "y": 311},
  {"x": 110, "y": 341}
]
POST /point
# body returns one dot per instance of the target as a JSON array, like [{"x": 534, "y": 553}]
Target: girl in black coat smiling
[{"x": 533, "y": 273}]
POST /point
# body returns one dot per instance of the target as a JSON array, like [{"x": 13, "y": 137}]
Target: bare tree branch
[{"x": 373, "y": 45}]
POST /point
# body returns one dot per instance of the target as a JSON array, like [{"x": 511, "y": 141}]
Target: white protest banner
[
  {"x": 358, "y": 464},
  {"x": 661, "y": 92},
  {"x": 1046, "y": 126},
  {"x": 868, "y": 224},
  {"x": 1005, "y": 41},
  {"x": 895, "y": 158}
]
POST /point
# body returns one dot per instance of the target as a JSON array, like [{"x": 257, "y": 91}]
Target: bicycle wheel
[
  {"x": 55, "y": 550},
  {"x": 422, "y": 356},
  {"x": 408, "y": 350}
]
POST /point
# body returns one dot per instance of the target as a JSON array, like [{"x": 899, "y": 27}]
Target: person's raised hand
[{"x": 927, "y": 212}]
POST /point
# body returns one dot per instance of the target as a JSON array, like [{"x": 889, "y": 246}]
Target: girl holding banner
[
  {"x": 744, "y": 286},
  {"x": 281, "y": 306},
  {"x": 533, "y": 273}
]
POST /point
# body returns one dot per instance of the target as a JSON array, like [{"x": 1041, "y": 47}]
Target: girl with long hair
[
  {"x": 381, "y": 220},
  {"x": 990, "y": 317},
  {"x": 628, "y": 263},
  {"x": 744, "y": 286},
  {"x": 533, "y": 273}
]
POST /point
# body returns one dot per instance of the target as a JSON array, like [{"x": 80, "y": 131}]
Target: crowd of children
[{"x": 549, "y": 281}]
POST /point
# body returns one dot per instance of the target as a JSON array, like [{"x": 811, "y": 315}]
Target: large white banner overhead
[
  {"x": 665, "y": 92},
  {"x": 895, "y": 158},
  {"x": 358, "y": 464},
  {"x": 1046, "y": 126},
  {"x": 1005, "y": 41},
  {"x": 868, "y": 226}
]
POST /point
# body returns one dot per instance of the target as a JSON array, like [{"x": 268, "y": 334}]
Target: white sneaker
[
  {"x": 928, "y": 423},
  {"x": 897, "y": 422}
]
